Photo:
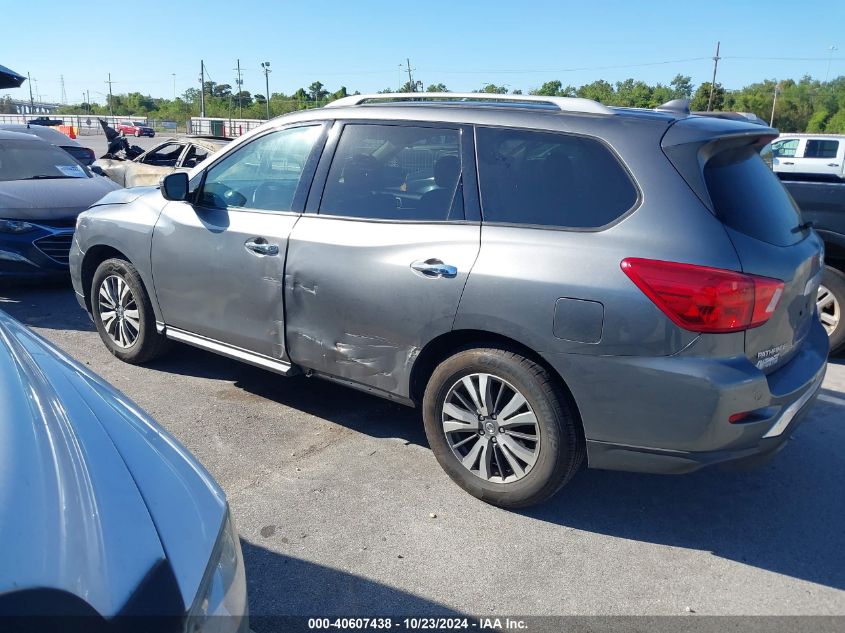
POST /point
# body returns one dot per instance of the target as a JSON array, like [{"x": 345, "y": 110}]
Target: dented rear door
[{"x": 374, "y": 276}]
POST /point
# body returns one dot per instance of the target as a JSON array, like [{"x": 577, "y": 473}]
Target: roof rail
[{"x": 566, "y": 104}]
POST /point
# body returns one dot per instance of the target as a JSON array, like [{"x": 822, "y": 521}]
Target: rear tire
[
  {"x": 495, "y": 458},
  {"x": 123, "y": 313},
  {"x": 831, "y": 302}
]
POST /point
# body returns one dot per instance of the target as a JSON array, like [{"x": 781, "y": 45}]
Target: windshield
[
  {"x": 36, "y": 160},
  {"x": 139, "y": 123}
]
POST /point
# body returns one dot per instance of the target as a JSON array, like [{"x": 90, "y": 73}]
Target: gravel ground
[{"x": 333, "y": 492}]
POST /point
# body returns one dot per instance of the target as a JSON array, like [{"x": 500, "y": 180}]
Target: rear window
[
  {"x": 550, "y": 179},
  {"x": 37, "y": 160},
  {"x": 749, "y": 198},
  {"x": 821, "y": 149}
]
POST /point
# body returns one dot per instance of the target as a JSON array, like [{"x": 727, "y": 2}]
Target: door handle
[
  {"x": 833, "y": 164},
  {"x": 261, "y": 246},
  {"x": 434, "y": 268},
  {"x": 788, "y": 162}
]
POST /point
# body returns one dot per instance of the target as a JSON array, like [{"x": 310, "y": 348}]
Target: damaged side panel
[
  {"x": 208, "y": 282},
  {"x": 356, "y": 309}
]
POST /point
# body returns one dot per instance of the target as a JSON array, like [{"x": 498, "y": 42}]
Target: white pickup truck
[{"x": 810, "y": 156}]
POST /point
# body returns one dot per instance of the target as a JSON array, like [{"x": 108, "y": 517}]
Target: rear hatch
[{"x": 720, "y": 161}]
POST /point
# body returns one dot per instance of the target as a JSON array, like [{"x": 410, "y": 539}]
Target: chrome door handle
[
  {"x": 261, "y": 246},
  {"x": 434, "y": 268}
]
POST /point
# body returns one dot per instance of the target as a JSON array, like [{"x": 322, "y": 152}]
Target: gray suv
[{"x": 546, "y": 278}]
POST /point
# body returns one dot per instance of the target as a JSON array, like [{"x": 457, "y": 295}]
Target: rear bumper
[{"x": 671, "y": 414}]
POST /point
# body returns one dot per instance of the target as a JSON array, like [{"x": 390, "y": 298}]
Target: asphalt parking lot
[{"x": 333, "y": 492}]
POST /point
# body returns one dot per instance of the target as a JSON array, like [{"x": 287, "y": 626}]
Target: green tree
[
  {"x": 702, "y": 95},
  {"x": 316, "y": 91},
  {"x": 493, "y": 89},
  {"x": 437, "y": 88},
  {"x": 600, "y": 91},
  {"x": 681, "y": 86}
]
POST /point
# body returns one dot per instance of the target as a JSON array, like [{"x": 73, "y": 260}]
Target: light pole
[
  {"x": 174, "y": 86},
  {"x": 265, "y": 67},
  {"x": 774, "y": 103},
  {"x": 829, "y": 59}
]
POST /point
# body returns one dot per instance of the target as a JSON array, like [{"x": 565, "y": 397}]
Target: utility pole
[
  {"x": 774, "y": 103},
  {"x": 829, "y": 59},
  {"x": 240, "y": 82},
  {"x": 410, "y": 78},
  {"x": 31, "y": 100},
  {"x": 64, "y": 94},
  {"x": 265, "y": 66},
  {"x": 88, "y": 100},
  {"x": 111, "y": 107},
  {"x": 174, "y": 86},
  {"x": 716, "y": 59},
  {"x": 202, "y": 89}
]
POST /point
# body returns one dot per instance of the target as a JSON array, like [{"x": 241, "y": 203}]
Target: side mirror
[
  {"x": 175, "y": 186},
  {"x": 97, "y": 170}
]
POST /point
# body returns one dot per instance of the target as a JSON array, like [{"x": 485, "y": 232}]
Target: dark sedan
[
  {"x": 107, "y": 522},
  {"x": 42, "y": 190}
]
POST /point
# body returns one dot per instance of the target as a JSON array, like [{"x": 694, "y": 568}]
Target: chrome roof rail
[{"x": 565, "y": 104}]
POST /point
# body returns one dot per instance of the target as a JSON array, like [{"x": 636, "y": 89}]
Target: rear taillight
[{"x": 704, "y": 299}]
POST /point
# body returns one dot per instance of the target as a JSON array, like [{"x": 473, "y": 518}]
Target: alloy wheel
[
  {"x": 491, "y": 428},
  {"x": 118, "y": 311},
  {"x": 830, "y": 312}
]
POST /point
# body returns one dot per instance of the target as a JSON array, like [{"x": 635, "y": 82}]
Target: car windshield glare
[{"x": 36, "y": 160}]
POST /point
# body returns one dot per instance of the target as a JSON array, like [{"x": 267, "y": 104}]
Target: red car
[{"x": 135, "y": 128}]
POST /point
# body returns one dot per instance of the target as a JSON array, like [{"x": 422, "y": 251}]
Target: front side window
[
  {"x": 550, "y": 179},
  {"x": 821, "y": 148},
  {"x": 395, "y": 172},
  {"x": 785, "y": 149},
  {"x": 262, "y": 174}
]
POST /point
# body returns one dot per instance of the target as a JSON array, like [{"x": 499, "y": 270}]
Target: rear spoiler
[{"x": 690, "y": 142}]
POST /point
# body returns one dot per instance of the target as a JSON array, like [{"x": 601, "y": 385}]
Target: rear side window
[
  {"x": 395, "y": 172},
  {"x": 818, "y": 148},
  {"x": 749, "y": 198},
  {"x": 550, "y": 179}
]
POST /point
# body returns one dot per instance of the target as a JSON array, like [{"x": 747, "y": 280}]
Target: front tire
[
  {"x": 830, "y": 303},
  {"x": 137, "y": 134},
  {"x": 123, "y": 313},
  {"x": 501, "y": 427}
]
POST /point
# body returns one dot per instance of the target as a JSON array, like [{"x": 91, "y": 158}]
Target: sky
[{"x": 364, "y": 44}]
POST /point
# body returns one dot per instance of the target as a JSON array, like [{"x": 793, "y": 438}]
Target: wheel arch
[
  {"x": 94, "y": 256},
  {"x": 447, "y": 344}
]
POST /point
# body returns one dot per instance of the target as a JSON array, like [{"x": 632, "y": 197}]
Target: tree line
[{"x": 806, "y": 105}]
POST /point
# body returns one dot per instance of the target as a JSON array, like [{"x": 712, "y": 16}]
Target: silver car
[
  {"x": 105, "y": 516},
  {"x": 544, "y": 277}
]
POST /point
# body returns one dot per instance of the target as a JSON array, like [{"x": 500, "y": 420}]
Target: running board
[{"x": 278, "y": 366}]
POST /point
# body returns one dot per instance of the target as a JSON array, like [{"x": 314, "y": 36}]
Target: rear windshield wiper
[{"x": 803, "y": 227}]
